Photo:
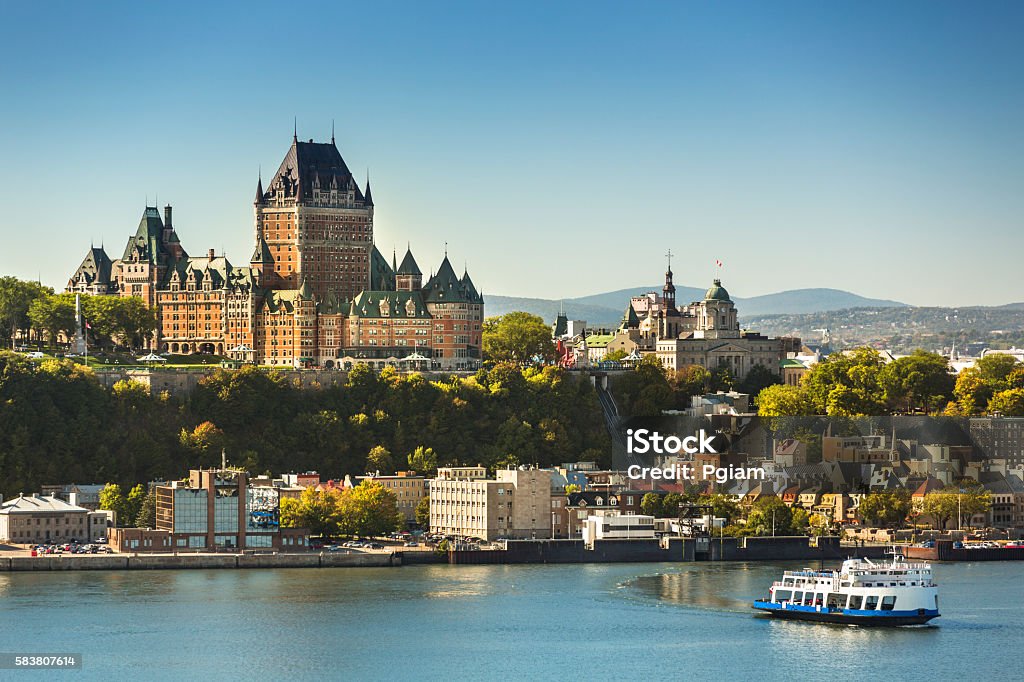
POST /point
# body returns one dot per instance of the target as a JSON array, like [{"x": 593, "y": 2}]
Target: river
[{"x": 667, "y": 621}]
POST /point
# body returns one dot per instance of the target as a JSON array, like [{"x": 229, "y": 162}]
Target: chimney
[
  {"x": 211, "y": 252},
  {"x": 167, "y": 216}
]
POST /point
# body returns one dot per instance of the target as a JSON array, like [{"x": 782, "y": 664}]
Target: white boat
[{"x": 862, "y": 592}]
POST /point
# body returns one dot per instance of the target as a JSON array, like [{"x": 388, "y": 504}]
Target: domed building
[{"x": 705, "y": 333}]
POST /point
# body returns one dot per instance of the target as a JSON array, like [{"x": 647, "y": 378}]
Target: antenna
[{"x": 332, "y": 131}]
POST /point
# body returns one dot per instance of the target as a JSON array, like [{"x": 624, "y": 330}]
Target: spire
[
  {"x": 332, "y": 131},
  {"x": 259, "y": 188},
  {"x": 367, "y": 198},
  {"x": 295, "y": 129}
]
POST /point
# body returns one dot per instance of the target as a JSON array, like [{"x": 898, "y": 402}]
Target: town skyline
[{"x": 816, "y": 150}]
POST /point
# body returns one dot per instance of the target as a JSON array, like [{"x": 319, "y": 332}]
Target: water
[{"x": 672, "y": 621}]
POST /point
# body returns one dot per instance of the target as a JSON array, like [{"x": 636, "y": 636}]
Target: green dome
[{"x": 717, "y": 292}]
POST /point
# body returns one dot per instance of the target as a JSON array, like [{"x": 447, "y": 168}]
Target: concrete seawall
[{"x": 140, "y": 562}]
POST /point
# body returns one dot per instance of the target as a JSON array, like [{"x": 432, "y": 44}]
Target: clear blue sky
[{"x": 559, "y": 148}]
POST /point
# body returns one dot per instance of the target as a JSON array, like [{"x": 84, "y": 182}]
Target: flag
[
  {"x": 718, "y": 262},
  {"x": 87, "y": 325}
]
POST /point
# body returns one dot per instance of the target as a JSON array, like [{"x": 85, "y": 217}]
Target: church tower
[{"x": 314, "y": 224}]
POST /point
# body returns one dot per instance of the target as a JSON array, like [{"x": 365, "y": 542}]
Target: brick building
[{"x": 316, "y": 291}]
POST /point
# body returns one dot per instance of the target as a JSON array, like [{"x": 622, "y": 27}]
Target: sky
[{"x": 560, "y": 149}]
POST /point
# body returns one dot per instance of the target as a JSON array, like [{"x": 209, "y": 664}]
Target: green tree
[
  {"x": 800, "y": 520},
  {"x": 16, "y": 298},
  {"x": 722, "y": 507},
  {"x": 572, "y": 488},
  {"x": 758, "y": 378},
  {"x": 133, "y": 503},
  {"x": 846, "y": 384},
  {"x": 670, "y": 505},
  {"x": 112, "y": 499},
  {"x": 615, "y": 355},
  {"x": 379, "y": 459},
  {"x": 423, "y": 512},
  {"x": 972, "y": 392},
  {"x": 941, "y": 505},
  {"x": 519, "y": 338},
  {"x": 770, "y": 516},
  {"x": 650, "y": 505},
  {"x": 369, "y": 510},
  {"x": 317, "y": 510},
  {"x": 423, "y": 460},
  {"x": 885, "y": 508},
  {"x": 53, "y": 315},
  {"x": 920, "y": 380},
  {"x": 146, "y": 517}
]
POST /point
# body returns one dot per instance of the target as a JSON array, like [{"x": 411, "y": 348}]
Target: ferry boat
[{"x": 862, "y": 592}]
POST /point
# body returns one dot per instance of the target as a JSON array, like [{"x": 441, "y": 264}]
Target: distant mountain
[
  {"x": 1012, "y": 306},
  {"x": 606, "y": 309}
]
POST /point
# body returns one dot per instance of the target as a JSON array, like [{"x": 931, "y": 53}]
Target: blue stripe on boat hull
[{"x": 848, "y": 616}]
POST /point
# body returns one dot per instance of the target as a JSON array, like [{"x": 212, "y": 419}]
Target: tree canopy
[{"x": 519, "y": 338}]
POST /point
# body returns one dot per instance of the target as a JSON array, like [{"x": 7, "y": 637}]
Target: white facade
[{"x": 618, "y": 527}]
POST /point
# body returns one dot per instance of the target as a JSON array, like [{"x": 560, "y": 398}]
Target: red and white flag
[
  {"x": 87, "y": 325},
  {"x": 718, "y": 262}
]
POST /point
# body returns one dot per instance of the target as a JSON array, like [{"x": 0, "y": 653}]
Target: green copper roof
[
  {"x": 717, "y": 292},
  {"x": 399, "y": 304}
]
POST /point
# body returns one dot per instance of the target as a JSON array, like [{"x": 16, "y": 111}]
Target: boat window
[
  {"x": 855, "y": 601},
  {"x": 888, "y": 602},
  {"x": 836, "y": 600},
  {"x": 808, "y": 598},
  {"x": 783, "y": 595},
  {"x": 871, "y": 602},
  {"x": 817, "y": 599},
  {"x": 798, "y": 597}
]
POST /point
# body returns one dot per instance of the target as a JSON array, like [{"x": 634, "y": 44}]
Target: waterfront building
[
  {"x": 615, "y": 526},
  {"x": 38, "y": 519},
  {"x": 219, "y": 509},
  {"x": 316, "y": 291},
  {"x": 514, "y": 504},
  {"x": 407, "y": 487}
]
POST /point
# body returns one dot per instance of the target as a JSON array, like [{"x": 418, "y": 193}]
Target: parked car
[{"x": 376, "y": 545}]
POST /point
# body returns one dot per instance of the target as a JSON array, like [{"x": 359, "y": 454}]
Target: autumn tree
[
  {"x": 885, "y": 508},
  {"x": 317, "y": 510},
  {"x": 369, "y": 510}
]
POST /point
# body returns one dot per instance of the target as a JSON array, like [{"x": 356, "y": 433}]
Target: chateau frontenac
[{"x": 316, "y": 291}]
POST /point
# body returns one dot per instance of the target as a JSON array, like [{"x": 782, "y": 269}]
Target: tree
[
  {"x": 54, "y": 315},
  {"x": 650, "y": 505},
  {"x": 517, "y": 337},
  {"x": 146, "y": 517},
  {"x": 758, "y": 378},
  {"x": 572, "y": 488},
  {"x": 941, "y": 506},
  {"x": 317, "y": 510},
  {"x": 16, "y": 297},
  {"x": 800, "y": 520},
  {"x": 722, "y": 507},
  {"x": 423, "y": 512},
  {"x": 112, "y": 499},
  {"x": 972, "y": 392},
  {"x": 885, "y": 508},
  {"x": 379, "y": 459},
  {"x": 919, "y": 380},
  {"x": 1009, "y": 403},
  {"x": 423, "y": 460},
  {"x": 689, "y": 381},
  {"x": 670, "y": 505},
  {"x": 615, "y": 355},
  {"x": 770, "y": 516},
  {"x": 369, "y": 510},
  {"x": 133, "y": 504},
  {"x": 783, "y": 401},
  {"x": 846, "y": 384},
  {"x": 995, "y": 369}
]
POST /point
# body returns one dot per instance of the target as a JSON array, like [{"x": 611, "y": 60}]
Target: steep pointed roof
[
  {"x": 471, "y": 293},
  {"x": 445, "y": 287},
  {"x": 629, "y": 318},
  {"x": 95, "y": 268},
  {"x": 382, "y": 275},
  {"x": 408, "y": 266},
  {"x": 367, "y": 198},
  {"x": 146, "y": 246},
  {"x": 261, "y": 254},
  {"x": 311, "y": 162}
]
